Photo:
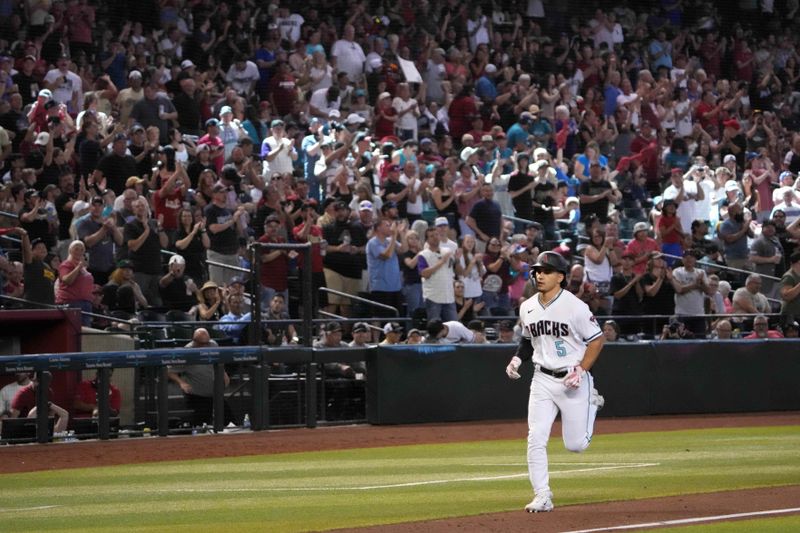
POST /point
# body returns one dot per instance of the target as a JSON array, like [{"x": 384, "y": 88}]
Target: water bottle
[{"x": 246, "y": 421}]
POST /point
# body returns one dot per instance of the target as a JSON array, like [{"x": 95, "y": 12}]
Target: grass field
[{"x": 326, "y": 490}]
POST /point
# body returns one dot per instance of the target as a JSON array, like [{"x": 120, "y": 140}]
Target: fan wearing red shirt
[
  {"x": 641, "y": 247},
  {"x": 85, "y": 404},
  {"x": 168, "y": 201},
  {"x": 308, "y": 231},
  {"x": 462, "y": 110},
  {"x": 274, "y": 263}
]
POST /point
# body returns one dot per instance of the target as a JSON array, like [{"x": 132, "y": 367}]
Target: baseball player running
[{"x": 564, "y": 340}]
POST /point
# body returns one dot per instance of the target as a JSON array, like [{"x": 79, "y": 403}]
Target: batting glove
[
  {"x": 513, "y": 367},
  {"x": 573, "y": 379}
]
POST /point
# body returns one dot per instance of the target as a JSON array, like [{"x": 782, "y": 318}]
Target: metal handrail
[
  {"x": 360, "y": 299},
  {"x": 343, "y": 318},
  {"x": 63, "y": 308},
  {"x": 9, "y": 215},
  {"x": 724, "y": 267}
]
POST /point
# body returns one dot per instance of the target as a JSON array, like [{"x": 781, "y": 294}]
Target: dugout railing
[{"x": 317, "y": 396}]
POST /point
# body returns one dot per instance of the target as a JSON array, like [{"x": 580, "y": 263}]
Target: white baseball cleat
[
  {"x": 542, "y": 503},
  {"x": 596, "y": 399}
]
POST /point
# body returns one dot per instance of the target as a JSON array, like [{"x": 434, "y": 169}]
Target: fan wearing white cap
[
  {"x": 230, "y": 129},
  {"x": 177, "y": 289},
  {"x": 641, "y": 247},
  {"x": 485, "y": 88}
]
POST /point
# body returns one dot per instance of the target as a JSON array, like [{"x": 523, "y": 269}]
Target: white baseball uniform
[{"x": 559, "y": 333}]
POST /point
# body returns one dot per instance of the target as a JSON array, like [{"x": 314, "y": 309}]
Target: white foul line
[
  {"x": 396, "y": 485},
  {"x": 39, "y": 508},
  {"x": 689, "y": 520}
]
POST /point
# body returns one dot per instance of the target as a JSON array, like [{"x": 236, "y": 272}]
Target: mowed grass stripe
[{"x": 147, "y": 497}]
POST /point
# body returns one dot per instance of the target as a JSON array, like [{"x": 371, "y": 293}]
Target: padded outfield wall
[{"x": 455, "y": 383}]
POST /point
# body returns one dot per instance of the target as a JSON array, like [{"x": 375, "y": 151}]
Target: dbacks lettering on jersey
[{"x": 548, "y": 327}]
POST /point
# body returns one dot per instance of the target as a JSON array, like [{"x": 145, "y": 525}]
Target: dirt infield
[
  {"x": 610, "y": 514},
  {"x": 33, "y": 457}
]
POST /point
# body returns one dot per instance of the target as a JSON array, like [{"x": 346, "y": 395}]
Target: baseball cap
[
  {"x": 393, "y": 168},
  {"x": 133, "y": 181},
  {"x": 384, "y": 95},
  {"x": 225, "y": 109},
  {"x": 125, "y": 263},
  {"x": 334, "y": 113},
  {"x": 177, "y": 259},
  {"x": 236, "y": 280},
  {"x": 360, "y": 327},
  {"x": 42, "y": 138},
  {"x": 79, "y": 207},
  {"x": 487, "y": 139},
  {"x": 272, "y": 218},
  {"x": 359, "y": 92},
  {"x": 505, "y": 325},
  {"x": 212, "y": 122},
  {"x": 533, "y": 109},
  {"x": 365, "y": 205},
  {"x": 467, "y": 152},
  {"x": 731, "y": 186},
  {"x": 441, "y": 221},
  {"x": 186, "y": 63},
  {"x": 120, "y": 137},
  {"x": 392, "y": 327},
  {"x": 414, "y": 331},
  {"x": 30, "y": 193},
  {"x": 520, "y": 249},
  {"x": 45, "y": 93},
  {"x": 640, "y": 226},
  {"x": 96, "y": 200},
  {"x": 134, "y": 74},
  {"x": 785, "y": 174},
  {"x": 729, "y": 157},
  {"x": 388, "y": 205},
  {"x": 490, "y": 69},
  {"x": 218, "y": 187},
  {"x": 731, "y": 123},
  {"x": 277, "y": 123},
  {"x": 354, "y": 118}
]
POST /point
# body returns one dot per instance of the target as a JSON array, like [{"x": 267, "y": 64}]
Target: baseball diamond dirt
[{"x": 29, "y": 458}]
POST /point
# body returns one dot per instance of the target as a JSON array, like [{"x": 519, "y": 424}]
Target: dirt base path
[
  {"x": 605, "y": 516},
  {"x": 33, "y": 457}
]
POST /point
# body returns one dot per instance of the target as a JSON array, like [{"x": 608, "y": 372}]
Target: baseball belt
[{"x": 558, "y": 374}]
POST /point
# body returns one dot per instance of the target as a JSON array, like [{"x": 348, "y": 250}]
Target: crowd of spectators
[{"x": 427, "y": 150}]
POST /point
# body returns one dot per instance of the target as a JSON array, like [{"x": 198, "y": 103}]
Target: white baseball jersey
[{"x": 559, "y": 331}]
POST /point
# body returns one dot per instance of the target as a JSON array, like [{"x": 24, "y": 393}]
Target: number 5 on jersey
[{"x": 561, "y": 350}]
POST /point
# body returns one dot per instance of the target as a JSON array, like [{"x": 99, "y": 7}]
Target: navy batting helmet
[{"x": 554, "y": 261}]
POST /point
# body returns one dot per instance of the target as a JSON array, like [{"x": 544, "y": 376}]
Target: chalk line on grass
[
  {"x": 695, "y": 520},
  {"x": 398, "y": 485},
  {"x": 37, "y": 508}
]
